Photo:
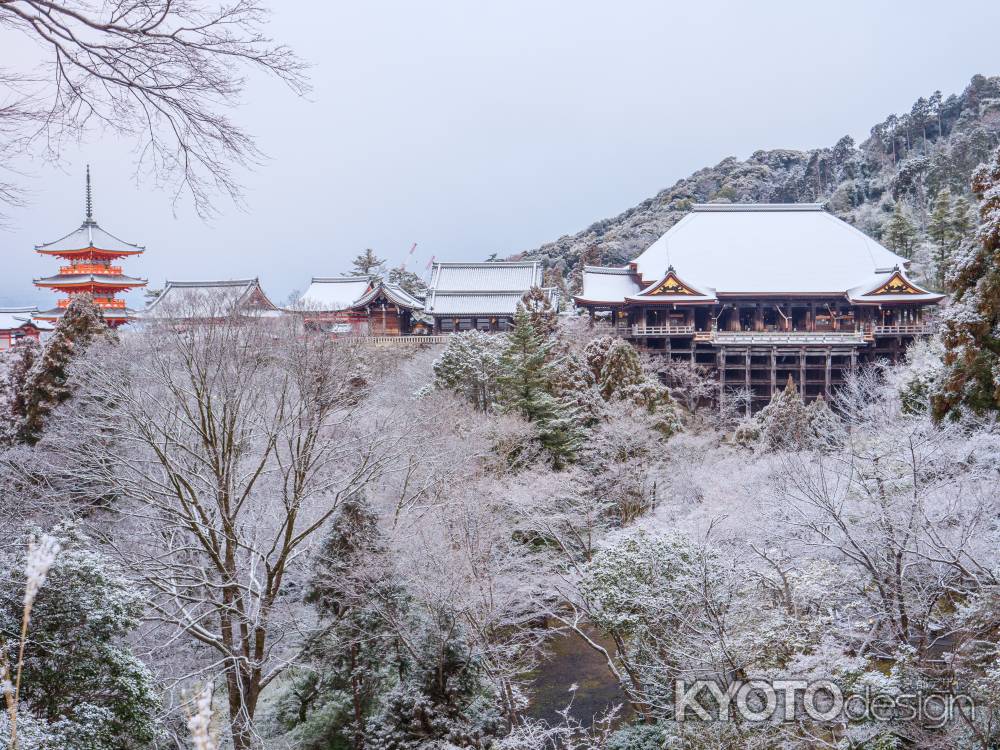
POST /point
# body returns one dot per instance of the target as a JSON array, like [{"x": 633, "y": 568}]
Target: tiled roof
[
  {"x": 15, "y": 317},
  {"x": 608, "y": 284},
  {"x": 481, "y": 288},
  {"x": 84, "y": 279},
  {"x": 334, "y": 293},
  {"x": 90, "y": 235},
  {"x": 766, "y": 248},
  {"x": 207, "y": 299},
  {"x": 486, "y": 277}
]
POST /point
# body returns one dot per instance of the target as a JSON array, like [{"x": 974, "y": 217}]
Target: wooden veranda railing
[{"x": 395, "y": 340}]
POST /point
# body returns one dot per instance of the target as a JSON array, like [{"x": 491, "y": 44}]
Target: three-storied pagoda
[
  {"x": 90, "y": 251},
  {"x": 759, "y": 293}
]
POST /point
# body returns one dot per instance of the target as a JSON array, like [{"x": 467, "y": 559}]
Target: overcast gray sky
[{"x": 471, "y": 128}]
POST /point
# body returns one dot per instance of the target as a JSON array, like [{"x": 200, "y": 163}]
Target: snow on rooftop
[
  {"x": 334, "y": 293},
  {"x": 186, "y": 299},
  {"x": 486, "y": 277},
  {"x": 761, "y": 248},
  {"x": 608, "y": 284},
  {"x": 90, "y": 235},
  {"x": 15, "y": 317}
]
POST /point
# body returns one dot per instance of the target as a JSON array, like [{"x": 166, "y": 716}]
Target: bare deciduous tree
[
  {"x": 227, "y": 446},
  {"x": 160, "y": 72}
]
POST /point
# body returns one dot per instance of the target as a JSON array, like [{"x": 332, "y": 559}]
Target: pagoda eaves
[{"x": 90, "y": 250}]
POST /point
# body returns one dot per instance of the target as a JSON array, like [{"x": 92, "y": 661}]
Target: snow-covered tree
[
  {"x": 899, "y": 232},
  {"x": 13, "y": 408},
  {"x": 408, "y": 280},
  {"x": 348, "y": 666},
  {"x": 231, "y": 445},
  {"x": 82, "y": 685},
  {"x": 527, "y": 389},
  {"x": 470, "y": 366},
  {"x": 367, "y": 264},
  {"x": 940, "y": 230},
  {"x": 972, "y": 321},
  {"x": 539, "y": 307},
  {"x": 47, "y": 384}
]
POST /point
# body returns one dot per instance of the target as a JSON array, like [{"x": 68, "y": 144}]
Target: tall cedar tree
[
  {"x": 899, "y": 232},
  {"x": 972, "y": 323},
  {"x": 526, "y": 385},
  {"x": 940, "y": 230},
  {"x": 47, "y": 385}
]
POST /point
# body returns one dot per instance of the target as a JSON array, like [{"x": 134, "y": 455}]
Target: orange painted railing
[
  {"x": 91, "y": 268},
  {"x": 108, "y": 302}
]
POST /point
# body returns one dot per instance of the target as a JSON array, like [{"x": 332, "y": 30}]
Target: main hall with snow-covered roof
[{"x": 761, "y": 293}]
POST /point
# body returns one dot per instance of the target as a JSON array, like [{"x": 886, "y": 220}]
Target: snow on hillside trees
[
  {"x": 972, "y": 320},
  {"x": 787, "y": 423}
]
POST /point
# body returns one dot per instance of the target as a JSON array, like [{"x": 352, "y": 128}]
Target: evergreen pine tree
[
  {"x": 940, "y": 230},
  {"x": 972, "y": 323},
  {"x": 350, "y": 665},
  {"x": 539, "y": 307},
  {"x": 784, "y": 423},
  {"x": 47, "y": 384},
  {"x": 899, "y": 232},
  {"x": 81, "y": 679},
  {"x": 22, "y": 356},
  {"x": 367, "y": 264},
  {"x": 526, "y": 387},
  {"x": 408, "y": 280},
  {"x": 961, "y": 219}
]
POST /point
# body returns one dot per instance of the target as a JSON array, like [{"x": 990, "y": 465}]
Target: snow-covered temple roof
[
  {"x": 766, "y": 248},
  {"x": 608, "y": 284},
  {"x": 87, "y": 279},
  {"x": 393, "y": 292},
  {"x": 481, "y": 288},
  {"x": 209, "y": 299},
  {"x": 334, "y": 292},
  {"x": 12, "y": 318},
  {"x": 756, "y": 249},
  {"x": 486, "y": 277}
]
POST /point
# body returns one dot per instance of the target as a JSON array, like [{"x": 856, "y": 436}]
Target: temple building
[
  {"x": 210, "y": 300},
  {"x": 481, "y": 296},
  {"x": 18, "y": 324},
  {"x": 90, "y": 251},
  {"x": 759, "y": 293},
  {"x": 361, "y": 306}
]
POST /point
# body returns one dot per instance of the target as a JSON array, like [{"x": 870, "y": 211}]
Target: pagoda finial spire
[{"x": 90, "y": 200}]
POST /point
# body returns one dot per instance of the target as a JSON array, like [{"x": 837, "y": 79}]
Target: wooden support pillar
[
  {"x": 802, "y": 371},
  {"x": 758, "y": 318},
  {"x": 774, "y": 370},
  {"x": 828, "y": 379},
  {"x": 854, "y": 359},
  {"x": 721, "y": 363},
  {"x": 746, "y": 372}
]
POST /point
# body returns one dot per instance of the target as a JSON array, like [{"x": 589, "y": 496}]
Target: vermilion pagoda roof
[
  {"x": 109, "y": 313},
  {"x": 75, "y": 280}
]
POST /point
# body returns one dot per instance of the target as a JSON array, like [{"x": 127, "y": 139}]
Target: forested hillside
[{"x": 907, "y": 184}]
